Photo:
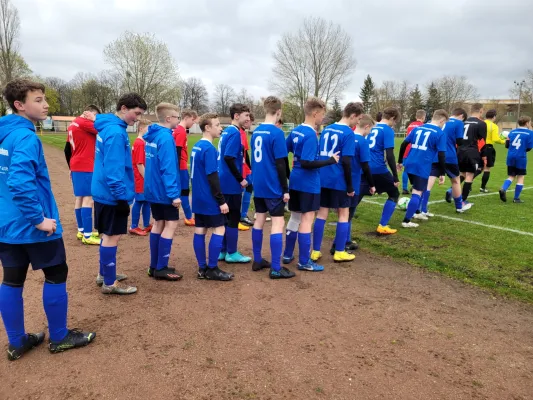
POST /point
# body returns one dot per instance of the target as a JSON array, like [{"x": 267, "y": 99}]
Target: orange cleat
[
  {"x": 148, "y": 229},
  {"x": 190, "y": 222},
  {"x": 138, "y": 231}
]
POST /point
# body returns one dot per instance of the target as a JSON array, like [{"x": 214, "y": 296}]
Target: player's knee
[
  {"x": 185, "y": 192},
  {"x": 56, "y": 274},
  {"x": 14, "y": 277}
]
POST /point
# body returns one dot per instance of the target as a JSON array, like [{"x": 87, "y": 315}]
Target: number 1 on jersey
[{"x": 193, "y": 154}]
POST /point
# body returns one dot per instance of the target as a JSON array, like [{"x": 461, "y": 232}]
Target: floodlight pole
[{"x": 520, "y": 85}]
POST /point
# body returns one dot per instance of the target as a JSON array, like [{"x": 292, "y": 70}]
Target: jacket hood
[
  {"x": 105, "y": 120},
  {"x": 12, "y": 122},
  {"x": 153, "y": 131}
]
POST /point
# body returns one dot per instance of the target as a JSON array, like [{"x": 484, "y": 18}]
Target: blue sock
[
  {"x": 425, "y": 201},
  {"x": 405, "y": 180},
  {"x": 146, "y": 213},
  {"x": 186, "y": 205},
  {"x": 101, "y": 271},
  {"x": 12, "y": 310},
  {"x": 79, "y": 219},
  {"x": 215, "y": 244},
  {"x": 518, "y": 190},
  {"x": 257, "y": 243},
  {"x": 87, "y": 218},
  {"x": 224, "y": 249},
  {"x": 108, "y": 259},
  {"x": 412, "y": 206},
  {"x": 290, "y": 243},
  {"x": 163, "y": 255},
  {"x": 154, "y": 248},
  {"x": 349, "y": 233},
  {"x": 198, "y": 243},
  {"x": 388, "y": 210},
  {"x": 55, "y": 302},
  {"x": 246, "y": 199},
  {"x": 276, "y": 247},
  {"x": 136, "y": 214},
  {"x": 318, "y": 233},
  {"x": 340, "y": 236},
  {"x": 232, "y": 237},
  {"x": 458, "y": 202},
  {"x": 506, "y": 184},
  {"x": 304, "y": 245}
]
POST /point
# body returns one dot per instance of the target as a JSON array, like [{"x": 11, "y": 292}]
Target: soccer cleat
[
  {"x": 120, "y": 290},
  {"x": 190, "y": 222},
  {"x": 316, "y": 255},
  {"x": 243, "y": 227},
  {"x": 247, "y": 221},
  {"x": 237, "y": 258},
  {"x": 503, "y": 195},
  {"x": 343, "y": 256},
  {"x": 138, "y": 231},
  {"x": 421, "y": 217},
  {"x": 287, "y": 260},
  {"x": 32, "y": 340},
  {"x": 167, "y": 274},
  {"x": 151, "y": 271},
  {"x": 258, "y": 266},
  {"x": 148, "y": 229},
  {"x": 409, "y": 225},
  {"x": 386, "y": 230},
  {"x": 466, "y": 207},
  {"x": 483, "y": 190},
  {"x": 467, "y": 203},
  {"x": 311, "y": 266},
  {"x": 74, "y": 339},
  {"x": 100, "y": 279},
  {"x": 448, "y": 196},
  {"x": 518, "y": 201},
  {"x": 201, "y": 273},
  {"x": 91, "y": 241},
  {"x": 222, "y": 256},
  {"x": 428, "y": 214},
  {"x": 351, "y": 246},
  {"x": 283, "y": 273},
  {"x": 79, "y": 235},
  {"x": 216, "y": 274}
]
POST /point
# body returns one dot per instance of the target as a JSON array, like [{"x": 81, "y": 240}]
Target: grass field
[{"x": 490, "y": 246}]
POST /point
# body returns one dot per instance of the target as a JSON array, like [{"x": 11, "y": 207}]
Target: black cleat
[
  {"x": 74, "y": 339},
  {"x": 247, "y": 221},
  {"x": 503, "y": 195},
  {"x": 332, "y": 250},
  {"x": 151, "y": 271},
  {"x": 283, "y": 273},
  {"x": 216, "y": 274},
  {"x": 351, "y": 246},
  {"x": 201, "y": 273},
  {"x": 167, "y": 274},
  {"x": 448, "y": 196},
  {"x": 258, "y": 266},
  {"x": 518, "y": 201},
  {"x": 32, "y": 340}
]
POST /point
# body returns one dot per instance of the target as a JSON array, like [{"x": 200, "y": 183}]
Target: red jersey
[
  {"x": 138, "y": 156},
  {"x": 82, "y": 138},
  {"x": 244, "y": 141},
  {"x": 410, "y": 128},
  {"x": 180, "y": 138}
]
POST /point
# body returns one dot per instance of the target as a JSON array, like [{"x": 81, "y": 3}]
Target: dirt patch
[{"x": 372, "y": 330}]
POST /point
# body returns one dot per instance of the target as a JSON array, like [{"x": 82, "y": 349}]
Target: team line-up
[{"x": 350, "y": 159}]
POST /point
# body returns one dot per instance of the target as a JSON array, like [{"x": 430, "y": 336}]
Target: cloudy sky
[{"x": 231, "y": 41}]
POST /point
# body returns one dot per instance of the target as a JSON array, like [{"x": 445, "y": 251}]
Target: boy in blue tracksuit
[
  {"x": 30, "y": 230},
  {"x": 112, "y": 186},
  {"x": 162, "y": 189}
]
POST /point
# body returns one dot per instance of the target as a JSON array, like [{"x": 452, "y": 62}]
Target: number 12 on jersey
[{"x": 334, "y": 139}]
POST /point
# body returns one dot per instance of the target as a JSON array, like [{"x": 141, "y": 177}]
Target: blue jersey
[
  {"x": 230, "y": 145},
  {"x": 303, "y": 143},
  {"x": 268, "y": 145},
  {"x": 335, "y": 138},
  {"x": 381, "y": 138},
  {"x": 203, "y": 163},
  {"x": 426, "y": 142},
  {"x": 454, "y": 129},
  {"x": 520, "y": 140},
  {"x": 361, "y": 155}
]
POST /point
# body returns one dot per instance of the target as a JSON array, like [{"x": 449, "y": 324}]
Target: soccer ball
[
  {"x": 504, "y": 135},
  {"x": 403, "y": 202}
]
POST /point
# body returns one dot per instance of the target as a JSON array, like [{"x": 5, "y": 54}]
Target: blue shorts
[
  {"x": 452, "y": 170},
  {"x": 331, "y": 198},
  {"x": 418, "y": 183},
  {"x": 210, "y": 221},
  {"x": 139, "y": 197},
  {"x": 354, "y": 201},
  {"x": 275, "y": 207},
  {"x": 303, "y": 202},
  {"x": 384, "y": 184},
  {"x": 39, "y": 255},
  {"x": 164, "y": 212},
  {"x": 81, "y": 181},
  {"x": 184, "y": 181},
  {"x": 513, "y": 171},
  {"x": 107, "y": 221}
]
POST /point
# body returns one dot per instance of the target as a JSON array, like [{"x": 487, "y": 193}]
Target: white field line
[{"x": 478, "y": 195}]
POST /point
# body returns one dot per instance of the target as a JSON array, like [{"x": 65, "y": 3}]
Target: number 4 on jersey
[{"x": 516, "y": 142}]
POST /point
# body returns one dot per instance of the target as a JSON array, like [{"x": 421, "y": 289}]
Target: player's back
[
  {"x": 336, "y": 138},
  {"x": 203, "y": 163},
  {"x": 303, "y": 143},
  {"x": 180, "y": 139},
  {"x": 82, "y": 138},
  {"x": 426, "y": 142},
  {"x": 475, "y": 131},
  {"x": 230, "y": 145},
  {"x": 454, "y": 129},
  {"x": 361, "y": 155},
  {"x": 520, "y": 140},
  {"x": 381, "y": 138}
]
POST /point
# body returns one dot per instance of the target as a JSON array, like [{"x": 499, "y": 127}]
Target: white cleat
[
  {"x": 409, "y": 225},
  {"x": 421, "y": 217},
  {"x": 429, "y": 215},
  {"x": 466, "y": 207}
]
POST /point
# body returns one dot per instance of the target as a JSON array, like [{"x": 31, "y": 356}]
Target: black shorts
[
  {"x": 384, "y": 184},
  {"x": 469, "y": 160},
  {"x": 331, "y": 198},
  {"x": 354, "y": 201},
  {"x": 418, "y": 183},
  {"x": 108, "y": 222},
  {"x": 234, "y": 202},
  {"x": 513, "y": 171},
  {"x": 303, "y": 202},
  {"x": 275, "y": 207},
  {"x": 490, "y": 153},
  {"x": 164, "y": 212},
  {"x": 39, "y": 255},
  {"x": 452, "y": 170},
  {"x": 210, "y": 221}
]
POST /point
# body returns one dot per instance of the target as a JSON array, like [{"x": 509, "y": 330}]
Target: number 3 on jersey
[
  {"x": 372, "y": 138},
  {"x": 335, "y": 140},
  {"x": 258, "y": 149}
]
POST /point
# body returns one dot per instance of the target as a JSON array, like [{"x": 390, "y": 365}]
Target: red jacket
[
  {"x": 82, "y": 138},
  {"x": 410, "y": 128}
]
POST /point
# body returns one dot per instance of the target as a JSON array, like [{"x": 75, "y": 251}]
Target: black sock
[
  {"x": 485, "y": 179},
  {"x": 462, "y": 179},
  {"x": 467, "y": 186}
]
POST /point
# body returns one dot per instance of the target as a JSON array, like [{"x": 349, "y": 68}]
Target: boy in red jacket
[{"x": 420, "y": 119}]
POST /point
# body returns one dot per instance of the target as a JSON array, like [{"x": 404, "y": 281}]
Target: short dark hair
[
  {"x": 420, "y": 114},
  {"x": 312, "y": 104},
  {"x": 353, "y": 108},
  {"x": 379, "y": 116},
  {"x": 271, "y": 105},
  {"x": 439, "y": 114},
  {"x": 252, "y": 117},
  {"x": 131, "y": 100},
  {"x": 189, "y": 114},
  {"x": 390, "y": 113},
  {"x": 206, "y": 119},
  {"x": 17, "y": 90},
  {"x": 491, "y": 114},
  {"x": 238, "y": 108},
  {"x": 457, "y": 112},
  {"x": 93, "y": 108},
  {"x": 523, "y": 120},
  {"x": 476, "y": 107}
]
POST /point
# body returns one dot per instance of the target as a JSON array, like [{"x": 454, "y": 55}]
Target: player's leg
[
  {"x": 232, "y": 230},
  {"x": 467, "y": 185},
  {"x": 320, "y": 223},
  {"x": 405, "y": 182},
  {"x": 185, "y": 202},
  {"x": 511, "y": 174},
  {"x": 169, "y": 222},
  {"x": 79, "y": 220},
  {"x": 135, "y": 216},
  {"x": 146, "y": 213},
  {"x": 343, "y": 226},
  {"x": 309, "y": 204},
  {"x": 198, "y": 244},
  {"x": 291, "y": 234},
  {"x": 246, "y": 200},
  {"x": 155, "y": 237},
  {"x": 87, "y": 218},
  {"x": 518, "y": 188},
  {"x": 386, "y": 184},
  {"x": 485, "y": 180},
  {"x": 419, "y": 187},
  {"x": 350, "y": 244},
  {"x": 213, "y": 272},
  {"x": 257, "y": 234},
  {"x": 276, "y": 209}
]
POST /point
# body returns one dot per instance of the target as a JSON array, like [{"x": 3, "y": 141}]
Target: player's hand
[
  {"x": 48, "y": 225},
  {"x": 176, "y": 202},
  {"x": 224, "y": 209},
  {"x": 286, "y": 197},
  {"x": 442, "y": 179},
  {"x": 88, "y": 115},
  {"x": 372, "y": 190},
  {"x": 351, "y": 194},
  {"x": 336, "y": 156},
  {"x": 399, "y": 167},
  {"x": 397, "y": 184},
  {"x": 244, "y": 183}
]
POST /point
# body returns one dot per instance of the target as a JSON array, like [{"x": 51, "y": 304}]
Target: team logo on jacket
[{"x": 4, "y": 152}]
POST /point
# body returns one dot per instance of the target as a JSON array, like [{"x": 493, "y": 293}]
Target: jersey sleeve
[
  {"x": 279, "y": 147},
  {"x": 233, "y": 145},
  {"x": 309, "y": 148},
  {"x": 388, "y": 139},
  {"x": 87, "y": 125},
  {"x": 210, "y": 160}
]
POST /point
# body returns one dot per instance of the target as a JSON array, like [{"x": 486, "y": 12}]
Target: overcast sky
[{"x": 231, "y": 41}]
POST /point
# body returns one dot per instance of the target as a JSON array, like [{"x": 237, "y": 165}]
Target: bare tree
[
  {"x": 455, "y": 91},
  {"x": 224, "y": 96},
  {"x": 194, "y": 95},
  {"x": 526, "y": 94},
  {"x": 10, "y": 60},
  {"x": 391, "y": 94},
  {"x": 317, "y": 60}
]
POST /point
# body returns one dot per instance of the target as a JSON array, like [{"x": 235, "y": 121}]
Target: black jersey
[{"x": 475, "y": 134}]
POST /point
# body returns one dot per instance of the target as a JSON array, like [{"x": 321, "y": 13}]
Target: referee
[{"x": 493, "y": 136}]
